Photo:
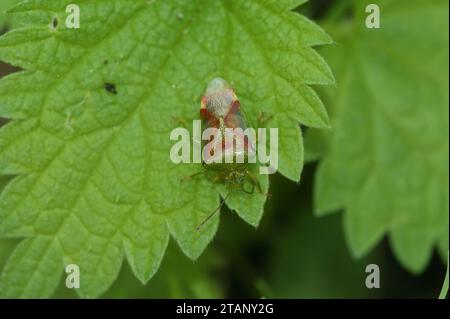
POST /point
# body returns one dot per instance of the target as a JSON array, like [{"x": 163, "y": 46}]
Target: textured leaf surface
[
  {"x": 178, "y": 277},
  {"x": 4, "y": 6},
  {"x": 387, "y": 162},
  {"x": 95, "y": 183}
]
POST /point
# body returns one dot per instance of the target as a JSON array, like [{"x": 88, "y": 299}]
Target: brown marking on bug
[
  {"x": 210, "y": 118},
  {"x": 232, "y": 119}
]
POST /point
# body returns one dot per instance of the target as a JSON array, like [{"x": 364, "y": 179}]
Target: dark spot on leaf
[
  {"x": 111, "y": 88},
  {"x": 105, "y": 62},
  {"x": 55, "y": 22}
]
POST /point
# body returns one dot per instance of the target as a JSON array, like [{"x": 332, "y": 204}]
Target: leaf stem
[{"x": 444, "y": 289}]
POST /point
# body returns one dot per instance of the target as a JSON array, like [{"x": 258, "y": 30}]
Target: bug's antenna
[{"x": 213, "y": 213}]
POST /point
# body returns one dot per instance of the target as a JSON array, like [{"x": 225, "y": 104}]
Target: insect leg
[
  {"x": 213, "y": 213},
  {"x": 250, "y": 192},
  {"x": 263, "y": 118},
  {"x": 180, "y": 121},
  {"x": 255, "y": 181},
  {"x": 187, "y": 178}
]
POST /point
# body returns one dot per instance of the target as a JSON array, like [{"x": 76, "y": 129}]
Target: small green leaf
[{"x": 386, "y": 162}]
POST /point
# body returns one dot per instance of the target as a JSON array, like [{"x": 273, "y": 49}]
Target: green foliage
[
  {"x": 327, "y": 267},
  {"x": 94, "y": 182},
  {"x": 4, "y": 5},
  {"x": 308, "y": 257},
  {"x": 178, "y": 277},
  {"x": 386, "y": 159}
]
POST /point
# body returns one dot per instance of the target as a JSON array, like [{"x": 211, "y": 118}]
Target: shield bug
[{"x": 226, "y": 155}]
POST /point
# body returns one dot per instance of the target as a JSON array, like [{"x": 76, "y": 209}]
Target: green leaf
[
  {"x": 316, "y": 144},
  {"x": 178, "y": 277},
  {"x": 387, "y": 161},
  {"x": 4, "y": 6},
  {"x": 294, "y": 276},
  {"x": 95, "y": 181}
]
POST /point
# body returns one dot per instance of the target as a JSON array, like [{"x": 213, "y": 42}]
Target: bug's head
[{"x": 218, "y": 98}]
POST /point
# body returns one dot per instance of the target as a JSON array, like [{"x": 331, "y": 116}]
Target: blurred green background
[{"x": 291, "y": 255}]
